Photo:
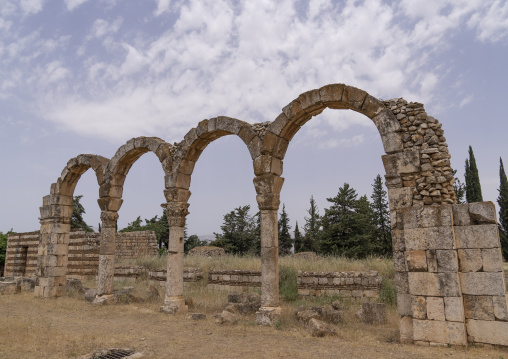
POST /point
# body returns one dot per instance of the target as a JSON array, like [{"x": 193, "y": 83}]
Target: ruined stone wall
[
  {"x": 343, "y": 284},
  {"x": 158, "y": 277},
  {"x": 83, "y": 255}
]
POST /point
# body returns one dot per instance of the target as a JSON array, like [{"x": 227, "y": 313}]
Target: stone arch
[{"x": 56, "y": 213}]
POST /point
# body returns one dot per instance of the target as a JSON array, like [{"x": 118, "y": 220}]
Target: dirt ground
[{"x": 69, "y": 328}]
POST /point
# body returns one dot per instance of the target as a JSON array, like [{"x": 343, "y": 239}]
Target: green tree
[
  {"x": 382, "y": 240},
  {"x": 298, "y": 239},
  {"x": 311, "y": 227},
  {"x": 459, "y": 188},
  {"x": 473, "y": 187},
  {"x": 3, "y": 249},
  {"x": 502, "y": 201},
  {"x": 191, "y": 242},
  {"x": 347, "y": 225},
  {"x": 159, "y": 226},
  {"x": 77, "y": 220},
  {"x": 285, "y": 240},
  {"x": 238, "y": 232}
]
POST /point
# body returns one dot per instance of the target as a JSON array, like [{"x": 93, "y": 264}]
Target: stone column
[
  {"x": 107, "y": 255},
  {"x": 268, "y": 187},
  {"x": 174, "y": 302}
]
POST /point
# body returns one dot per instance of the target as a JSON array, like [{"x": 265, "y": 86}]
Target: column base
[
  {"x": 173, "y": 305},
  {"x": 268, "y": 315},
  {"x": 104, "y": 299}
]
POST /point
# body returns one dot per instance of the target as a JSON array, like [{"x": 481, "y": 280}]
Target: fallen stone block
[
  {"x": 226, "y": 318},
  {"x": 196, "y": 316},
  {"x": 7, "y": 288},
  {"x": 318, "y": 328},
  {"x": 373, "y": 313}
]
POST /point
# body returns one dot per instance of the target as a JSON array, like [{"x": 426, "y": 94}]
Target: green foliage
[
  {"x": 298, "y": 239},
  {"x": 239, "y": 232},
  {"x": 473, "y": 187},
  {"x": 382, "y": 241},
  {"x": 3, "y": 247},
  {"x": 77, "y": 220},
  {"x": 288, "y": 285},
  {"x": 159, "y": 226},
  {"x": 285, "y": 240},
  {"x": 191, "y": 242},
  {"x": 348, "y": 225},
  {"x": 502, "y": 201},
  {"x": 311, "y": 228},
  {"x": 459, "y": 188},
  {"x": 388, "y": 292}
]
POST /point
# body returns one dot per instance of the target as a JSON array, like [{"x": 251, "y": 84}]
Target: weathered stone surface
[
  {"x": 435, "y": 308},
  {"x": 196, "y": 316},
  {"x": 268, "y": 315},
  {"x": 373, "y": 313},
  {"x": 399, "y": 261},
  {"x": 400, "y": 197},
  {"x": 419, "y": 307},
  {"x": 318, "y": 328},
  {"x": 479, "y": 236},
  {"x": 500, "y": 308},
  {"x": 404, "y": 304},
  {"x": 401, "y": 281},
  {"x": 461, "y": 215},
  {"x": 417, "y": 261},
  {"x": 226, "y": 317},
  {"x": 439, "y": 332},
  {"x": 470, "y": 260},
  {"x": 480, "y": 331},
  {"x": 446, "y": 260},
  {"x": 492, "y": 260},
  {"x": 454, "y": 310},
  {"x": 434, "y": 284},
  {"x": 406, "y": 329},
  {"x": 74, "y": 284},
  {"x": 482, "y": 283},
  {"x": 90, "y": 294},
  {"x": 9, "y": 287},
  {"x": 429, "y": 238},
  {"x": 402, "y": 162},
  {"x": 478, "y": 307},
  {"x": 482, "y": 213},
  {"x": 426, "y": 216}
]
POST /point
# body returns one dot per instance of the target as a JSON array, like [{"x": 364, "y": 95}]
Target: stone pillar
[
  {"x": 107, "y": 254},
  {"x": 53, "y": 247},
  {"x": 174, "y": 301},
  {"x": 268, "y": 187}
]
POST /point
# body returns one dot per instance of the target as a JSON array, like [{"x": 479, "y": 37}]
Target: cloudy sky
[{"x": 85, "y": 76}]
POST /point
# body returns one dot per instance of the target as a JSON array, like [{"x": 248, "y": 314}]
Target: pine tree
[
  {"x": 502, "y": 201},
  {"x": 77, "y": 220},
  {"x": 381, "y": 218},
  {"x": 311, "y": 228},
  {"x": 347, "y": 225},
  {"x": 473, "y": 187},
  {"x": 298, "y": 239},
  {"x": 285, "y": 240},
  {"x": 238, "y": 232}
]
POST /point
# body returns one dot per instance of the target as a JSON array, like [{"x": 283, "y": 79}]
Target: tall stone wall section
[{"x": 83, "y": 254}]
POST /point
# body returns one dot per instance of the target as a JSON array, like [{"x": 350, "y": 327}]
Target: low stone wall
[
  {"x": 233, "y": 279},
  {"x": 158, "y": 277},
  {"x": 83, "y": 254},
  {"x": 343, "y": 284}
]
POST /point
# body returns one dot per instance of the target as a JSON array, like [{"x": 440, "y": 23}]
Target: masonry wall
[{"x": 83, "y": 255}]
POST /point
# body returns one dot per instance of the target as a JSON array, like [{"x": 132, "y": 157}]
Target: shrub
[
  {"x": 388, "y": 292},
  {"x": 288, "y": 286}
]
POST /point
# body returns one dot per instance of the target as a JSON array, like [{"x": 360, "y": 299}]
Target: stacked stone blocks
[{"x": 343, "y": 284}]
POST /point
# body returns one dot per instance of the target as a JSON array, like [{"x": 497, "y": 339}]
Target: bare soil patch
[{"x": 70, "y": 327}]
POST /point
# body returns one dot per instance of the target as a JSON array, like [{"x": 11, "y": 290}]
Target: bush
[
  {"x": 288, "y": 286},
  {"x": 388, "y": 292}
]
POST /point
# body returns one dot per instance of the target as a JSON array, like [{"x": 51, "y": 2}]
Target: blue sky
[{"x": 85, "y": 76}]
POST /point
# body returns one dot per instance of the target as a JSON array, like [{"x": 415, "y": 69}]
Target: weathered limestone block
[
  {"x": 479, "y": 236},
  {"x": 478, "y": 307},
  {"x": 461, "y": 215},
  {"x": 431, "y": 260},
  {"x": 399, "y": 261},
  {"x": 470, "y": 260},
  {"x": 439, "y": 332},
  {"x": 480, "y": 331},
  {"x": 429, "y": 238},
  {"x": 435, "y": 308},
  {"x": 454, "y": 310},
  {"x": 482, "y": 283},
  {"x": 446, "y": 260},
  {"x": 419, "y": 307},
  {"x": 406, "y": 329},
  {"x": 400, "y": 197},
  {"x": 434, "y": 284},
  {"x": 482, "y": 213},
  {"x": 373, "y": 313},
  {"x": 404, "y": 306},
  {"x": 402, "y": 163},
  {"x": 417, "y": 261},
  {"x": 398, "y": 241},
  {"x": 500, "y": 308},
  {"x": 401, "y": 282},
  {"x": 386, "y": 123},
  {"x": 492, "y": 260},
  {"x": 426, "y": 216}
]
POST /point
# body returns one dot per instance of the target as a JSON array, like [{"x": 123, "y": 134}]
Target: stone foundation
[{"x": 158, "y": 277}]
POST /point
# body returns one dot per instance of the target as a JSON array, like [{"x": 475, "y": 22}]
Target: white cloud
[
  {"x": 74, "y": 4},
  {"x": 31, "y": 6},
  {"x": 492, "y": 22},
  {"x": 101, "y": 28},
  {"x": 162, "y": 7}
]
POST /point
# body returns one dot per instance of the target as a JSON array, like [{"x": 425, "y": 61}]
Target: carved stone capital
[
  {"x": 268, "y": 201},
  {"x": 176, "y": 213},
  {"x": 109, "y": 219}
]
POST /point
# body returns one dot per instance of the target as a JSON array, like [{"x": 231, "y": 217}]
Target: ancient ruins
[{"x": 450, "y": 282}]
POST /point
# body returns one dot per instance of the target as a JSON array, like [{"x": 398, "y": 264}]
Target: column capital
[
  {"x": 109, "y": 219},
  {"x": 268, "y": 201},
  {"x": 176, "y": 213}
]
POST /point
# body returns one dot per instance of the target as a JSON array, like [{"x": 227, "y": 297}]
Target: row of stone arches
[{"x": 418, "y": 175}]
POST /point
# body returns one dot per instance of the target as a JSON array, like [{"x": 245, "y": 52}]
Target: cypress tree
[
  {"x": 381, "y": 218},
  {"x": 285, "y": 240},
  {"x": 473, "y": 187},
  {"x": 298, "y": 239},
  {"x": 502, "y": 201},
  {"x": 459, "y": 188},
  {"x": 311, "y": 227}
]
